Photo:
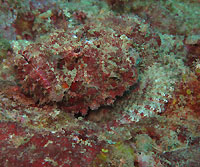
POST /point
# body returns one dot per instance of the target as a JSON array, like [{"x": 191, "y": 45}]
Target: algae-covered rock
[{"x": 4, "y": 47}]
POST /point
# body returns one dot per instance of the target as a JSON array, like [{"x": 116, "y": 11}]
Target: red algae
[
  {"x": 82, "y": 84},
  {"x": 43, "y": 149}
]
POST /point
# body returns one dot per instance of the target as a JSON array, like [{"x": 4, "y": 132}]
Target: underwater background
[{"x": 99, "y": 83}]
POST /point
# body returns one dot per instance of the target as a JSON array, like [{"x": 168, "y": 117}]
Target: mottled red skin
[{"x": 104, "y": 69}]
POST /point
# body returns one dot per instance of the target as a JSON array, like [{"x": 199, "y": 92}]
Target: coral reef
[
  {"x": 44, "y": 149},
  {"x": 99, "y": 83}
]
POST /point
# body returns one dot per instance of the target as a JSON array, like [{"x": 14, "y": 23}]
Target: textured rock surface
[{"x": 136, "y": 76}]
